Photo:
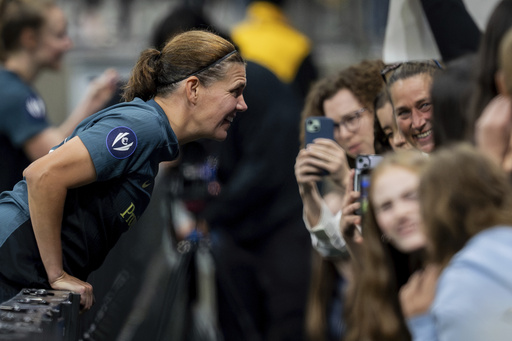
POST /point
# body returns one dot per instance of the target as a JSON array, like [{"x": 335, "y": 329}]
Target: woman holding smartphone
[
  {"x": 347, "y": 99},
  {"x": 390, "y": 250}
]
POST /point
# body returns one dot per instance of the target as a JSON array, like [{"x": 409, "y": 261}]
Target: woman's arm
[
  {"x": 48, "y": 180},
  {"x": 98, "y": 93},
  {"x": 416, "y": 297}
]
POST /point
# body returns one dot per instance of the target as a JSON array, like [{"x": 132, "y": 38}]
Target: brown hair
[
  {"x": 462, "y": 192},
  {"x": 373, "y": 311},
  {"x": 484, "y": 87},
  {"x": 505, "y": 64},
  {"x": 362, "y": 79},
  {"x": 410, "y": 69},
  {"x": 196, "y": 52},
  {"x": 324, "y": 282},
  {"x": 17, "y": 15}
]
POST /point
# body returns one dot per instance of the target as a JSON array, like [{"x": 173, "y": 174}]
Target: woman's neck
[{"x": 22, "y": 65}]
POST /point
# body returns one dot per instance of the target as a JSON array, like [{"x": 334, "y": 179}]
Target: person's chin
[
  {"x": 411, "y": 244},
  {"x": 220, "y": 135},
  {"x": 426, "y": 148}
]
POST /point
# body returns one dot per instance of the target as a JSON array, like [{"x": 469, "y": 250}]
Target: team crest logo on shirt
[
  {"x": 121, "y": 142},
  {"x": 35, "y": 107}
]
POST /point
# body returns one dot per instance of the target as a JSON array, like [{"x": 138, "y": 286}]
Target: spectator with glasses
[
  {"x": 347, "y": 98},
  {"x": 409, "y": 84}
]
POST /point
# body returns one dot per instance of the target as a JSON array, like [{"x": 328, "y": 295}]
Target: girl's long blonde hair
[{"x": 373, "y": 312}]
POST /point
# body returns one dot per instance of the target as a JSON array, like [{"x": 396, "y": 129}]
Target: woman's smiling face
[
  {"x": 413, "y": 110},
  {"x": 397, "y": 210}
]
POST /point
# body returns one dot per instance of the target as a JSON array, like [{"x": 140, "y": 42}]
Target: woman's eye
[
  {"x": 413, "y": 195},
  {"x": 425, "y": 107},
  {"x": 384, "y": 207},
  {"x": 350, "y": 119},
  {"x": 403, "y": 114}
]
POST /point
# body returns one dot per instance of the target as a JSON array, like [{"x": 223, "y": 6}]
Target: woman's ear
[
  {"x": 28, "y": 38},
  {"x": 192, "y": 89},
  {"x": 499, "y": 80}
]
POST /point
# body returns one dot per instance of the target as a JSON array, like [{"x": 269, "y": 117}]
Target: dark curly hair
[{"x": 362, "y": 79}]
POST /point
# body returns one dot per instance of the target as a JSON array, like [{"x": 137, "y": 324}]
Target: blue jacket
[{"x": 473, "y": 299}]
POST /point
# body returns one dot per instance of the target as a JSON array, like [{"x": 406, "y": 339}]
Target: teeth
[
  {"x": 425, "y": 134},
  {"x": 230, "y": 119}
]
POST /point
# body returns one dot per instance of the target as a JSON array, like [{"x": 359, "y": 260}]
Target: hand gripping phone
[{"x": 319, "y": 127}]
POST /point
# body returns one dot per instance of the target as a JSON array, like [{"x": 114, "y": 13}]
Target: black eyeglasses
[
  {"x": 351, "y": 120},
  {"x": 388, "y": 70}
]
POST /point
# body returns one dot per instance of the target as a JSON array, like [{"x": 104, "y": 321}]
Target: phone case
[{"x": 319, "y": 127}]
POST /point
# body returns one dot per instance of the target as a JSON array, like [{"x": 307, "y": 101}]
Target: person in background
[
  {"x": 33, "y": 38},
  {"x": 468, "y": 225},
  {"x": 386, "y": 128},
  {"x": 484, "y": 88},
  {"x": 492, "y": 130},
  {"x": 390, "y": 250},
  {"x": 77, "y": 201},
  {"x": 260, "y": 245},
  {"x": 455, "y": 32},
  {"x": 267, "y": 37},
  {"x": 346, "y": 97},
  {"x": 449, "y": 93},
  {"x": 408, "y": 84}
]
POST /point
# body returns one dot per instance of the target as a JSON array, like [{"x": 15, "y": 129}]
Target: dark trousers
[{"x": 263, "y": 286}]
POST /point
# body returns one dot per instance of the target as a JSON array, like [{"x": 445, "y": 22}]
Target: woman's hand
[
  {"x": 306, "y": 173},
  {"x": 331, "y": 157},
  {"x": 70, "y": 283},
  {"x": 417, "y": 295},
  {"x": 325, "y": 155},
  {"x": 101, "y": 89},
  {"x": 349, "y": 219},
  {"x": 493, "y": 131}
]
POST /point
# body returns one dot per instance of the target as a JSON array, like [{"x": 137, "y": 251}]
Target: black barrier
[{"x": 39, "y": 314}]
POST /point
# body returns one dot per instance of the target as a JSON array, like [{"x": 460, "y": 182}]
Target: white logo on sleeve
[
  {"x": 124, "y": 142},
  {"x": 35, "y": 107},
  {"x": 121, "y": 142}
]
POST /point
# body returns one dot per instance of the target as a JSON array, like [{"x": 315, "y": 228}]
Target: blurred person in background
[
  {"x": 454, "y": 29},
  {"x": 261, "y": 247},
  {"x": 390, "y": 250},
  {"x": 450, "y": 93},
  {"x": 266, "y": 36},
  {"x": 34, "y": 38},
  {"x": 486, "y": 66},
  {"x": 468, "y": 225},
  {"x": 490, "y": 121},
  {"x": 348, "y": 99}
]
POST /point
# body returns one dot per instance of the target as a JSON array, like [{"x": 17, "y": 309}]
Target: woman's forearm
[
  {"x": 312, "y": 202},
  {"x": 46, "y": 203}
]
